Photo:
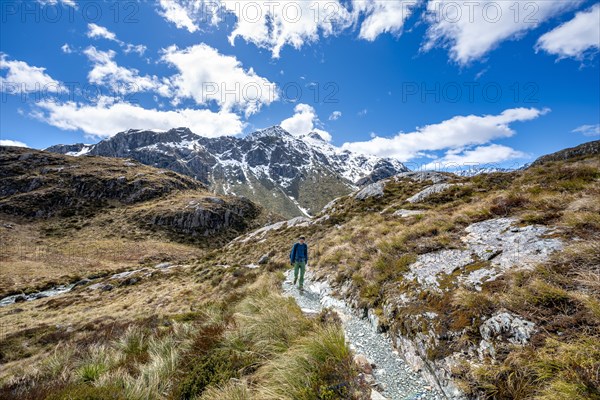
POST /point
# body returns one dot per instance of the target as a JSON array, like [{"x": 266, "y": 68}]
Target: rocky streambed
[
  {"x": 392, "y": 377},
  {"x": 105, "y": 283}
]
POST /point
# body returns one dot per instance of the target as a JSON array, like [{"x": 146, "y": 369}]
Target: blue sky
[{"x": 430, "y": 82}]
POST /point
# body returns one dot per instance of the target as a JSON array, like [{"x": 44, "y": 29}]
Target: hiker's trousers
[{"x": 299, "y": 267}]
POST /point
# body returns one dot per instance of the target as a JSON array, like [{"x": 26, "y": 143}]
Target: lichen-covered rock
[
  {"x": 429, "y": 191},
  {"x": 507, "y": 326},
  {"x": 503, "y": 326},
  {"x": 424, "y": 176},
  {"x": 506, "y": 244},
  {"x": 498, "y": 245},
  {"x": 428, "y": 266},
  {"x": 407, "y": 213},
  {"x": 372, "y": 190}
]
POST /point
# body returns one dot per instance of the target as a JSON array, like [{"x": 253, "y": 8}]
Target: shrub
[
  {"x": 211, "y": 369},
  {"x": 504, "y": 205}
]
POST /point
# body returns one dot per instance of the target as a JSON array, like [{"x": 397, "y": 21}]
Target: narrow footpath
[{"x": 395, "y": 379}]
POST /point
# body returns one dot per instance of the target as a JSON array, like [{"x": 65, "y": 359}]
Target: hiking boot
[
  {"x": 301, "y": 289},
  {"x": 295, "y": 282}
]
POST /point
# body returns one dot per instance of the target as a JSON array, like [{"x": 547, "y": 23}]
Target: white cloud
[
  {"x": 66, "y": 48},
  {"x": 457, "y": 132},
  {"x": 303, "y": 122},
  {"x": 335, "y": 115},
  {"x": 178, "y": 12},
  {"x": 97, "y": 31},
  {"x": 107, "y": 118},
  {"x": 362, "y": 112},
  {"x": 8, "y": 142},
  {"x": 383, "y": 16},
  {"x": 24, "y": 78},
  {"x": 267, "y": 24},
  {"x": 574, "y": 38},
  {"x": 205, "y": 75},
  {"x": 477, "y": 156},
  {"x": 471, "y": 29},
  {"x": 134, "y": 48},
  {"x": 588, "y": 130},
  {"x": 122, "y": 80},
  {"x": 273, "y": 25},
  {"x": 70, "y": 3}
]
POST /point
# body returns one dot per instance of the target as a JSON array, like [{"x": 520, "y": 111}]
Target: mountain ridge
[{"x": 288, "y": 174}]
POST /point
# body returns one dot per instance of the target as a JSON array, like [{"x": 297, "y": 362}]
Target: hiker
[{"x": 299, "y": 259}]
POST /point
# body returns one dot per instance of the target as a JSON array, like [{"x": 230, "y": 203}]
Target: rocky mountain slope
[
  {"x": 583, "y": 150},
  {"x": 290, "y": 175}
]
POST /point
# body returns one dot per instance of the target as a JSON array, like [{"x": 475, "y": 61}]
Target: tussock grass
[
  {"x": 318, "y": 366},
  {"x": 233, "y": 390},
  {"x": 556, "y": 371}
]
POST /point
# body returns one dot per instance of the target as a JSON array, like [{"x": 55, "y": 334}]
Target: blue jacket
[{"x": 299, "y": 253}]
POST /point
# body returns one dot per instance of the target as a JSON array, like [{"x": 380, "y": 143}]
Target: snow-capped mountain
[
  {"x": 287, "y": 174},
  {"x": 473, "y": 171}
]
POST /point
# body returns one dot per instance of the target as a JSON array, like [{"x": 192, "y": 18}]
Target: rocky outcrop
[
  {"x": 493, "y": 246},
  {"x": 503, "y": 326},
  {"x": 428, "y": 192},
  {"x": 407, "y": 213},
  {"x": 372, "y": 190},
  {"x": 203, "y": 218},
  {"x": 424, "y": 176}
]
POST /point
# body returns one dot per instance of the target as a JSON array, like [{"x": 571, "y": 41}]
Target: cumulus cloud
[
  {"x": 574, "y": 38},
  {"x": 24, "y": 78},
  {"x": 179, "y": 12},
  {"x": 457, "y": 132},
  {"x": 382, "y": 16},
  {"x": 107, "y": 118},
  {"x": 107, "y": 72},
  {"x": 477, "y": 156},
  {"x": 66, "y": 48},
  {"x": 588, "y": 130},
  {"x": 303, "y": 122},
  {"x": 471, "y": 29},
  {"x": 15, "y": 143},
  {"x": 206, "y": 75},
  {"x": 335, "y": 115},
  {"x": 273, "y": 25},
  {"x": 97, "y": 31}
]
